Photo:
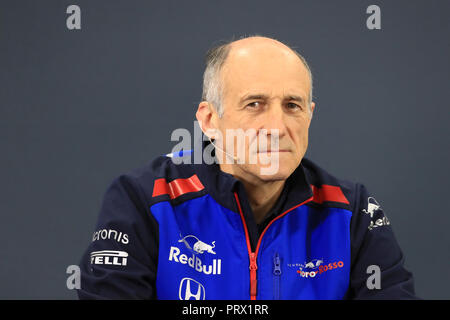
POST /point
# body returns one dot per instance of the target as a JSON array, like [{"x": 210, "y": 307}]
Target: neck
[{"x": 262, "y": 195}]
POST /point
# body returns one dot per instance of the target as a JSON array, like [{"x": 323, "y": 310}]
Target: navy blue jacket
[{"x": 168, "y": 231}]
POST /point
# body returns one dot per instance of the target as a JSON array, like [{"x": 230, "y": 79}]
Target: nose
[{"x": 275, "y": 120}]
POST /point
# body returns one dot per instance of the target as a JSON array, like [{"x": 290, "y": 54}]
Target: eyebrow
[
  {"x": 295, "y": 98},
  {"x": 265, "y": 97},
  {"x": 254, "y": 97}
]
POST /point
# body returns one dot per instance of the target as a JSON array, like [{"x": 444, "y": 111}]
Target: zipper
[
  {"x": 253, "y": 255},
  {"x": 253, "y": 281},
  {"x": 276, "y": 276}
]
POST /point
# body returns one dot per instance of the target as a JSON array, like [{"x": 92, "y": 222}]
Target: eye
[
  {"x": 293, "y": 106},
  {"x": 254, "y": 105}
]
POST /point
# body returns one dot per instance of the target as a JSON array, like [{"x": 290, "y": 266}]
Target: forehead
[{"x": 264, "y": 67}]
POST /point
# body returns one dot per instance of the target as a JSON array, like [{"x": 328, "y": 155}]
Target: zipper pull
[
  {"x": 276, "y": 265},
  {"x": 253, "y": 282},
  {"x": 276, "y": 276},
  {"x": 253, "y": 265}
]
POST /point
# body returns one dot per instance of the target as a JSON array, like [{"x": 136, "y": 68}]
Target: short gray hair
[{"x": 212, "y": 84}]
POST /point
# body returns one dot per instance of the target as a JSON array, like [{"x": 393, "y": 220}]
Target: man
[{"x": 230, "y": 230}]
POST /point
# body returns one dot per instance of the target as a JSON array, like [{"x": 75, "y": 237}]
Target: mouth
[{"x": 275, "y": 151}]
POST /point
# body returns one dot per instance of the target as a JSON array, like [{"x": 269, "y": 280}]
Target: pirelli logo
[{"x": 109, "y": 257}]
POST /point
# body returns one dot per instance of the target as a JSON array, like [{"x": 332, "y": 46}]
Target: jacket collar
[{"x": 221, "y": 185}]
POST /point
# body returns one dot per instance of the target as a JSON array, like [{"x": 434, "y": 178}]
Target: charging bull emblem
[
  {"x": 313, "y": 264},
  {"x": 193, "y": 243}
]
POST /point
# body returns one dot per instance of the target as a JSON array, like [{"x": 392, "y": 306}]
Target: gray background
[{"x": 77, "y": 108}]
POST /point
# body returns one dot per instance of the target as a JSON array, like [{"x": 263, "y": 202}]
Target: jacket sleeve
[
  {"x": 121, "y": 260},
  {"x": 377, "y": 270}
]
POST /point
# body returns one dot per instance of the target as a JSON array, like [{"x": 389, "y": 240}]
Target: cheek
[
  {"x": 303, "y": 142},
  {"x": 300, "y": 137}
]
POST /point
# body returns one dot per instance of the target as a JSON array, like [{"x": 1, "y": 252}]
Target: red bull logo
[
  {"x": 195, "y": 262},
  {"x": 198, "y": 246}
]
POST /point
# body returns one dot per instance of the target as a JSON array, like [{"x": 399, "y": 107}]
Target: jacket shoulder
[
  {"x": 161, "y": 179},
  {"x": 330, "y": 190}
]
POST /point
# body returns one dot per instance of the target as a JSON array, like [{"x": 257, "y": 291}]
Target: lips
[
  {"x": 274, "y": 151},
  {"x": 277, "y": 149}
]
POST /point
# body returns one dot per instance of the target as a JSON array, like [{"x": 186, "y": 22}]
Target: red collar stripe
[
  {"x": 177, "y": 187},
  {"x": 328, "y": 193}
]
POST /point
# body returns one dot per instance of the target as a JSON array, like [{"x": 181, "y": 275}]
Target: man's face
[{"x": 266, "y": 86}]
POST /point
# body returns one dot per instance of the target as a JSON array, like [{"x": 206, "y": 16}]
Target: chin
[
  {"x": 267, "y": 173},
  {"x": 277, "y": 171}
]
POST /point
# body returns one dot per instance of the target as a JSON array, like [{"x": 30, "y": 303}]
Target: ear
[
  {"x": 313, "y": 106},
  {"x": 207, "y": 117}
]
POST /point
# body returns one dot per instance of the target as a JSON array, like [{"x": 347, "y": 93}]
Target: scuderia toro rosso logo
[
  {"x": 196, "y": 248},
  {"x": 317, "y": 267}
]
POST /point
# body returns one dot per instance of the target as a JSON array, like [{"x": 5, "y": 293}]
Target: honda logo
[{"x": 189, "y": 288}]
